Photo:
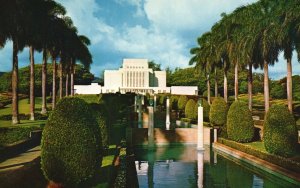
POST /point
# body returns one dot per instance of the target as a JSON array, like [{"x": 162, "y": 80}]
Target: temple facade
[{"x": 135, "y": 76}]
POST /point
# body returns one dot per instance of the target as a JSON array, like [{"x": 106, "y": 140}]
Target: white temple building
[{"x": 135, "y": 76}]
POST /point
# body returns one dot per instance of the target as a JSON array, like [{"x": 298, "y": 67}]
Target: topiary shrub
[
  {"x": 189, "y": 109},
  {"x": 240, "y": 125},
  {"x": 280, "y": 134},
  {"x": 100, "y": 114},
  {"x": 71, "y": 143},
  {"x": 162, "y": 99},
  {"x": 174, "y": 102},
  {"x": 206, "y": 109},
  {"x": 182, "y": 102},
  {"x": 218, "y": 112}
]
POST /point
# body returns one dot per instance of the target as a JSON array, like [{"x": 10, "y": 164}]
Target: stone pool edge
[{"x": 266, "y": 166}]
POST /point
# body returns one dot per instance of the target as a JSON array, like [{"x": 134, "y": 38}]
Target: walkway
[{"x": 21, "y": 159}]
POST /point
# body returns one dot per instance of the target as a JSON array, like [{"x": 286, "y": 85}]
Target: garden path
[{"x": 21, "y": 159}]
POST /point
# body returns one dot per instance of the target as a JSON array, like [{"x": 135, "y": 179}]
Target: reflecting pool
[{"x": 184, "y": 166}]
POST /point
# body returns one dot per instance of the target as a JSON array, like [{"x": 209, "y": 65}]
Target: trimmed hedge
[
  {"x": 71, "y": 145},
  {"x": 240, "y": 125},
  {"x": 12, "y": 134},
  {"x": 189, "y": 109},
  {"x": 280, "y": 133},
  {"x": 218, "y": 112},
  {"x": 182, "y": 102},
  {"x": 275, "y": 159},
  {"x": 89, "y": 98},
  {"x": 37, "y": 116}
]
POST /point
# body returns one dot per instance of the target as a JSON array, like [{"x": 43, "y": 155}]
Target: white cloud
[
  {"x": 174, "y": 26},
  {"x": 181, "y": 15}
]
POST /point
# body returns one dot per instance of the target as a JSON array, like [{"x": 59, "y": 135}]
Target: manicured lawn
[
  {"x": 260, "y": 146},
  {"x": 257, "y": 145},
  {"x": 24, "y": 107}
]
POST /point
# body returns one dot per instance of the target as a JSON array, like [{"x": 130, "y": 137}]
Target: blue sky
[{"x": 159, "y": 30}]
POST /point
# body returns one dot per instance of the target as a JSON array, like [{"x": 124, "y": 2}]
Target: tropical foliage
[
  {"x": 251, "y": 36},
  {"x": 41, "y": 25}
]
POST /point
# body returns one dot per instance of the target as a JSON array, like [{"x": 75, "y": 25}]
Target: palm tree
[
  {"x": 205, "y": 58},
  {"x": 288, "y": 14},
  {"x": 56, "y": 11},
  {"x": 32, "y": 83},
  {"x": 267, "y": 48},
  {"x": 82, "y": 54},
  {"x": 13, "y": 27}
]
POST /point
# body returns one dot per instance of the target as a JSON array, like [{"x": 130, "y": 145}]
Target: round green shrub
[
  {"x": 162, "y": 99},
  {"x": 280, "y": 134},
  {"x": 206, "y": 109},
  {"x": 189, "y": 109},
  {"x": 71, "y": 143},
  {"x": 182, "y": 102},
  {"x": 174, "y": 102},
  {"x": 218, "y": 112},
  {"x": 240, "y": 125}
]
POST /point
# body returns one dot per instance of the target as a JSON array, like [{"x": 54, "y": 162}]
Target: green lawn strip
[
  {"x": 257, "y": 149},
  {"x": 24, "y": 107}
]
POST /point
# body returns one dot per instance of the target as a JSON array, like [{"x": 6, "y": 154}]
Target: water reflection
[{"x": 186, "y": 167}]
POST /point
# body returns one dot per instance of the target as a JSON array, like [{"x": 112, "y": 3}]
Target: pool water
[{"x": 184, "y": 166}]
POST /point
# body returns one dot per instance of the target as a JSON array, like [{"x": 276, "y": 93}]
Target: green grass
[
  {"x": 107, "y": 160},
  {"x": 257, "y": 145},
  {"x": 24, "y": 107}
]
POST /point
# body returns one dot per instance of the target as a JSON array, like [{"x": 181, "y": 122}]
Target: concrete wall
[
  {"x": 184, "y": 90},
  {"x": 94, "y": 88},
  {"x": 179, "y": 135},
  {"x": 112, "y": 80},
  {"x": 160, "y": 79}
]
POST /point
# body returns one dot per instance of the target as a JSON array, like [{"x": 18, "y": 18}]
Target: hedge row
[
  {"x": 275, "y": 159},
  {"x": 37, "y": 116},
  {"x": 9, "y": 135}
]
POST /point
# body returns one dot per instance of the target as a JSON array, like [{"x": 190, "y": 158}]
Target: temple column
[{"x": 168, "y": 114}]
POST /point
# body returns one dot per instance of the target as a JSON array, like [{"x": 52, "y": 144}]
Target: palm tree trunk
[
  {"x": 289, "y": 85},
  {"x": 208, "y": 89},
  {"x": 216, "y": 83},
  {"x": 72, "y": 80},
  {"x": 60, "y": 81},
  {"x": 250, "y": 86},
  {"x": 266, "y": 87},
  {"x": 225, "y": 87},
  {"x": 67, "y": 84},
  {"x": 54, "y": 72},
  {"x": 14, "y": 85},
  {"x": 236, "y": 82},
  {"x": 32, "y": 83},
  {"x": 44, "y": 80}
]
